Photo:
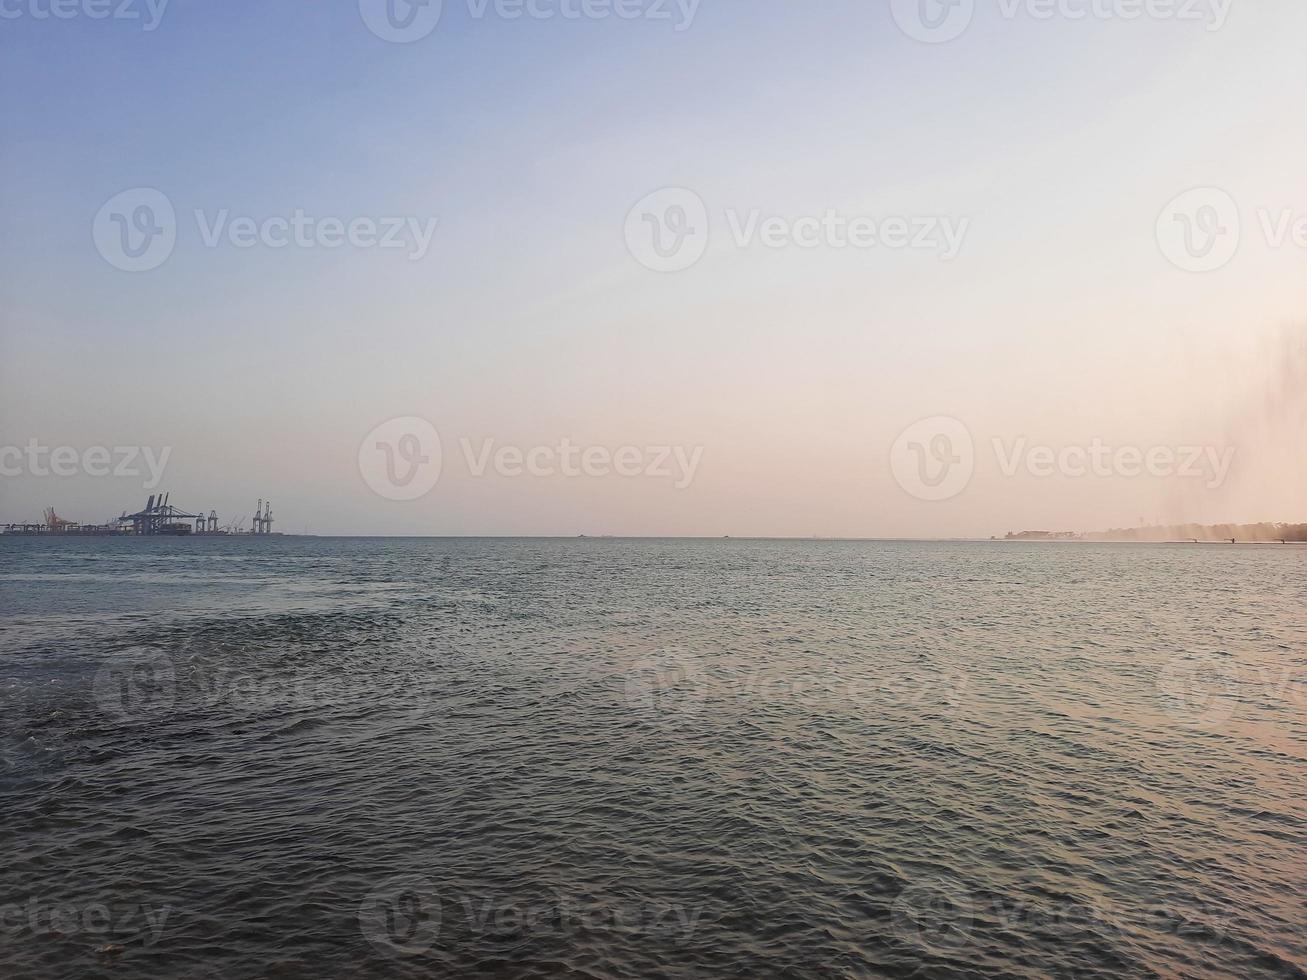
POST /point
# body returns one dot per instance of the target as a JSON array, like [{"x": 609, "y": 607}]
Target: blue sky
[{"x": 528, "y": 141}]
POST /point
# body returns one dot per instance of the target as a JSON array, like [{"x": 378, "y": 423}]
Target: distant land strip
[{"x": 1254, "y": 533}]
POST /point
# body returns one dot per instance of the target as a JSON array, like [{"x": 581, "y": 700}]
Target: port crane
[
  {"x": 263, "y": 518},
  {"x": 56, "y": 523},
  {"x": 159, "y": 516}
]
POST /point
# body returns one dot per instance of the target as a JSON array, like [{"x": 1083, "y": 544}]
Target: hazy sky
[{"x": 1050, "y": 140}]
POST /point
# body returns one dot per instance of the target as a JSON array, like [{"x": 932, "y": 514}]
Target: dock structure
[
  {"x": 158, "y": 517},
  {"x": 53, "y": 524}
]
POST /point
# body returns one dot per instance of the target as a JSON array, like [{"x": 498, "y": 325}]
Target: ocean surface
[{"x": 321, "y": 758}]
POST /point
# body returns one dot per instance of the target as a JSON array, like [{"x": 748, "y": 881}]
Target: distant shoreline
[
  {"x": 1267, "y": 532},
  {"x": 1079, "y": 540}
]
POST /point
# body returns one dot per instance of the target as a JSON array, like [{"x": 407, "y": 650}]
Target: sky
[{"x": 878, "y": 268}]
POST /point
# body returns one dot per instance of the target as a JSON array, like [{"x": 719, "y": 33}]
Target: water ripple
[{"x": 680, "y": 759}]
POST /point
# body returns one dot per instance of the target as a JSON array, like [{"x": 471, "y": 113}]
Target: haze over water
[{"x": 318, "y": 758}]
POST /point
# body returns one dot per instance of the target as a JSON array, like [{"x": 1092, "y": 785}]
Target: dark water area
[{"x": 321, "y": 758}]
